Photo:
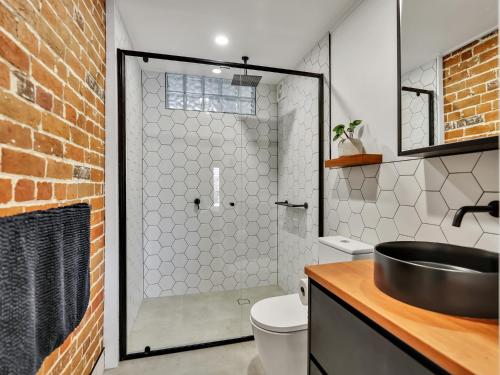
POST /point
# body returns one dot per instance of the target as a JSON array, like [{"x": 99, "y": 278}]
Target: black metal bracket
[{"x": 286, "y": 204}]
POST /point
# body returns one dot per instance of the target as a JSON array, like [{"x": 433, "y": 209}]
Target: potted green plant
[{"x": 348, "y": 145}]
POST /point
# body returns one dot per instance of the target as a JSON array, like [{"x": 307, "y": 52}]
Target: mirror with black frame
[{"x": 448, "y": 76}]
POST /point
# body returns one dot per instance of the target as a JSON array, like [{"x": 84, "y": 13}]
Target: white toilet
[{"x": 279, "y": 324}]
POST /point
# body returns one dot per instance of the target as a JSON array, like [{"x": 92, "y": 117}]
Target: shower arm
[{"x": 245, "y": 61}]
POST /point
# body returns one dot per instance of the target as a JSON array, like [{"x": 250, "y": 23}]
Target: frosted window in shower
[
  {"x": 194, "y": 84},
  {"x": 194, "y": 102},
  {"x": 212, "y": 86},
  {"x": 247, "y": 106},
  {"x": 247, "y": 92},
  {"x": 210, "y": 94},
  {"x": 229, "y": 105},
  {"x": 212, "y": 103},
  {"x": 175, "y": 101},
  {"x": 228, "y": 89},
  {"x": 176, "y": 82}
]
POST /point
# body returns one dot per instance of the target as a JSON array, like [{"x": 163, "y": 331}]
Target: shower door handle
[{"x": 197, "y": 202}]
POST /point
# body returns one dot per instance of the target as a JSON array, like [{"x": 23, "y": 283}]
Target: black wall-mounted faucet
[{"x": 491, "y": 208}]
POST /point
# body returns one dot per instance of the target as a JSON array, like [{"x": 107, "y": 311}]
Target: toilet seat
[{"x": 282, "y": 314}]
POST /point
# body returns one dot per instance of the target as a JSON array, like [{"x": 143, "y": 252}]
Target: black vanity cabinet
[{"x": 343, "y": 341}]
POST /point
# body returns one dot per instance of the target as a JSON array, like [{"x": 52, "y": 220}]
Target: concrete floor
[
  {"x": 236, "y": 359},
  {"x": 168, "y": 322}
]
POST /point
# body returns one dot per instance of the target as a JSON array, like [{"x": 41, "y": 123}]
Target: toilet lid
[{"x": 280, "y": 314}]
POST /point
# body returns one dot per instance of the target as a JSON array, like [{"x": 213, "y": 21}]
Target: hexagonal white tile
[
  {"x": 431, "y": 233},
  {"x": 356, "y": 225},
  {"x": 465, "y": 235},
  {"x": 387, "y": 204},
  {"x": 387, "y": 176},
  {"x": 489, "y": 242},
  {"x": 344, "y": 211},
  {"x": 386, "y": 230},
  {"x": 179, "y": 117},
  {"x": 461, "y": 189},
  {"x": 431, "y": 174},
  {"x": 370, "y": 189},
  {"x": 460, "y": 163},
  {"x": 488, "y": 223},
  {"x": 407, "y": 167},
  {"x": 370, "y": 215},
  {"x": 370, "y": 170},
  {"x": 356, "y": 201},
  {"x": 370, "y": 236},
  {"x": 407, "y": 190},
  {"x": 431, "y": 207},
  {"x": 407, "y": 220},
  {"x": 356, "y": 178},
  {"x": 486, "y": 170}
]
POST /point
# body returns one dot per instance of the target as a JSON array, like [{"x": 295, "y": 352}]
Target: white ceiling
[
  {"x": 272, "y": 32},
  {"x": 430, "y": 28}
]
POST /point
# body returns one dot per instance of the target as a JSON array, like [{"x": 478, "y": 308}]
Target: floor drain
[{"x": 243, "y": 301}]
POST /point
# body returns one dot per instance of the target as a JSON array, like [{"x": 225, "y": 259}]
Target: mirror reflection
[{"x": 449, "y": 68}]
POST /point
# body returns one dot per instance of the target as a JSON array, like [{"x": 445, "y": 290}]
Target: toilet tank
[{"x": 335, "y": 249}]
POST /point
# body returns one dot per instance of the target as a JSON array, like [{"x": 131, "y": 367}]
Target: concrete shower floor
[
  {"x": 236, "y": 359},
  {"x": 168, "y": 322}
]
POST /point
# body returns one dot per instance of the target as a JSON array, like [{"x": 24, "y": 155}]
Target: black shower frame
[
  {"x": 122, "y": 225},
  {"x": 430, "y": 93}
]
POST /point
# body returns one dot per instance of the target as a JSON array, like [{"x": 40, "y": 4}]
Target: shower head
[{"x": 245, "y": 79}]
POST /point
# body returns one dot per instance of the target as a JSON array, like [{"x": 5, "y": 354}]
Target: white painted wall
[
  {"x": 364, "y": 74},
  {"x": 116, "y": 37},
  {"x": 111, "y": 197},
  {"x": 135, "y": 260}
]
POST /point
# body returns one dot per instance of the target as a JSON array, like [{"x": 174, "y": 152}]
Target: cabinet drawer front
[{"x": 342, "y": 343}]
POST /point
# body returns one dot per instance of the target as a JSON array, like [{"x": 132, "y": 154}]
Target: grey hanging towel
[{"x": 44, "y": 283}]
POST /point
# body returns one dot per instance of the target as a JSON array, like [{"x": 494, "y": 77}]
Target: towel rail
[{"x": 286, "y": 204}]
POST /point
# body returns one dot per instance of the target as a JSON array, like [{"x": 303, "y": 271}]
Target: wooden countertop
[{"x": 458, "y": 345}]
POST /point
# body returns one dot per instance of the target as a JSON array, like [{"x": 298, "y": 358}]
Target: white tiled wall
[
  {"x": 402, "y": 200},
  {"x": 415, "y": 199},
  {"x": 415, "y": 109},
  {"x": 135, "y": 262},
  {"x": 298, "y": 167},
  {"x": 214, "y": 248}
]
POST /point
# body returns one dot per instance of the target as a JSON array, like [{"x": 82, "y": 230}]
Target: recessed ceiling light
[
  {"x": 221, "y": 40},
  {"x": 217, "y": 70}
]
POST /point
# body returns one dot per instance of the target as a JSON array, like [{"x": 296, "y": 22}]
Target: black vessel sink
[{"x": 440, "y": 277}]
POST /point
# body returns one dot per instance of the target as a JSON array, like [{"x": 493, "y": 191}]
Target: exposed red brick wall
[
  {"x": 470, "y": 77},
  {"x": 52, "y": 68}
]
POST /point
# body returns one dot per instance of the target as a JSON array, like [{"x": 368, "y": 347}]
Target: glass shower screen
[{"x": 201, "y": 183}]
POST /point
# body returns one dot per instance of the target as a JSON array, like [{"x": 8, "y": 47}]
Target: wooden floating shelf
[{"x": 353, "y": 160}]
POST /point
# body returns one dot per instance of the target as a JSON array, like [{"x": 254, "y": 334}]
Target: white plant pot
[{"x": 350, "y": 147}]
